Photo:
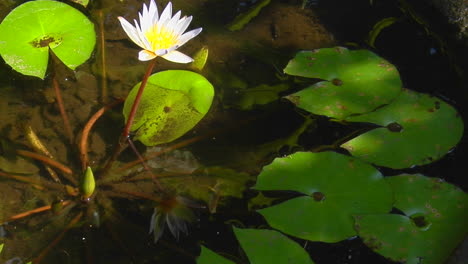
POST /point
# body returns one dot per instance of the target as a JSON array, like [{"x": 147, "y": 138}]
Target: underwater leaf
[
  {"x": 209, "y": 184},
  {"x": 172, "y": 103},
  {"x": 27, "y": 33},
  {"x": 81, "y": 2},
  {"x": 243, "y": 19},
  {"x": 416, "y": 129},
  {"x": 355, "y": 81},
  {"x": 209, "y": 257},
  {"x": 262, "y": 94},
  {"x": 334, "y": 186},
  {"x": 199, "y": 59},
  {"x": 433, "y": 225},
  {"x": 270, "y": 246}
]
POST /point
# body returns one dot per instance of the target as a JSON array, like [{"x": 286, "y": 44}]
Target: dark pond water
[{"x": 229, "y": 141}]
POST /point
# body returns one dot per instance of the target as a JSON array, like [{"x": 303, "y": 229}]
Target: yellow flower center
[{"x": 161, "y": 38}]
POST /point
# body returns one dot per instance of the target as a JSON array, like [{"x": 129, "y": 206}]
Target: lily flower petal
[
  {"x": 178, "y": 57},
  {"x": 145, "y": 55},
  {"x": 160, "y": 35},
  {"x": 131, "y": 31}
]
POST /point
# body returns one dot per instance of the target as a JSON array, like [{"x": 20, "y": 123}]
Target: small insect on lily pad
[
  {"x": 433, "y": 224},
  {"x": 354, "y": 81},
  {"x": 416, "y": 129},
  {"x": 172, "y": 103},
  {"x": 334, "y": 186},
  {"x": 27, "y": 33}
]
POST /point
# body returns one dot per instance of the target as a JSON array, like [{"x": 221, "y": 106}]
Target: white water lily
[{"x": 160, "y": 35}]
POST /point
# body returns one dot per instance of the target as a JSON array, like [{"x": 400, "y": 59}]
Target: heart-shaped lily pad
[
  {"x": 270, "y": 246},
  {"x": 261, "y": 246},
  {"x": 355, "y": 82},
  {"x": 335, "y": 188},
  {"x": 172, "y": 103},
  {"x": 27, "y": 33},
  {"x": 209, "y": 257},
  {"x": 433, "y": 224},
  {"x": 416, "y": 129}
]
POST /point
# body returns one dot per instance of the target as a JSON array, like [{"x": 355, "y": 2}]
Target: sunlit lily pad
[
  {"x": 416, "y": 129},
  {"x": 270, "y": 246},
  {"x": 335, "y": 188},
  {"x": 27, "y": 33},
  {"x": 173, "y": 102},
  {"x": 433, "y": 225},
  {"x": 355, "y": 81}
]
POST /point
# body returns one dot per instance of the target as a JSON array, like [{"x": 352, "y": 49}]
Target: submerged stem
[{"x": 63, "y": 113}]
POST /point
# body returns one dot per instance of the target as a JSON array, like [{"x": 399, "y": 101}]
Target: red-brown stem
[
  {"x": 137, "y": 100},
  {"x": 58, "y": 238},
  {"x": 66, "y": 123},
  {"x": 46, "y": 160},
  {"x": 131, "y": 116},
  {"x": 87, "y": 130},
  {"x": 34, "y": 211}
]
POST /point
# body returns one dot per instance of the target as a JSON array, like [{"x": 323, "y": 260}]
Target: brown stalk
[
  {"x": 46, "y": 160},
  {"x": 62, "y": 110},
  {"x": 37, "y": 183},
  {"x": 44, "y": 253},
  {"x": 34, "y": 211},
  {"x": 142, "y": 161},
  {"x": 103, "y": 59},
  {"x": 87, "y": 129}
]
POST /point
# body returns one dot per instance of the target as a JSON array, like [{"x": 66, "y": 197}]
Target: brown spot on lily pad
[{"x": 45, "y": 41}]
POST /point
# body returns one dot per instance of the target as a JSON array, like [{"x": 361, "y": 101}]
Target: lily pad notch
[{"x": 31, "y": 29}]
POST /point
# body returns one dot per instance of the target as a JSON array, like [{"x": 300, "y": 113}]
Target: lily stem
[{"x": 136, "y": 102}]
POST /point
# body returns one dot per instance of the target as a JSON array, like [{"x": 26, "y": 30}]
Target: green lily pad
[
  {"x": 270, "y": 246},
  {"x": 355, "y": 82},
  {"x": 433, "y": 225},
  {"x": 335, "y": 188},
  {"x": 172, "y": 103},
  {"x": 209, "y": 257},
  {"x": 27, "y": 33},
  {"x": 416, "y": 129}
]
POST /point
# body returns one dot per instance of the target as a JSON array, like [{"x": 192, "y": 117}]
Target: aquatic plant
[
  {"x": 31, "y": 29},
  {"x": 160, "y": 35},
  {"x": 88, "y": 198},
  {"x": 261, "y": 246}
]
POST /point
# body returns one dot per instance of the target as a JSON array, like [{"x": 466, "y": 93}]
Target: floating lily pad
[
  {"x": 209, "y": 257},
  {"x": 270, "y": 246},
  {"x": 172, "y": 103},
  {"x": 433, "y": 225},
  {"x": 355, "y": 82},
  {"x": 335, "y": 188},
  {"x": 416, "y": 129},
  {"x": 27, "y": 33}
]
